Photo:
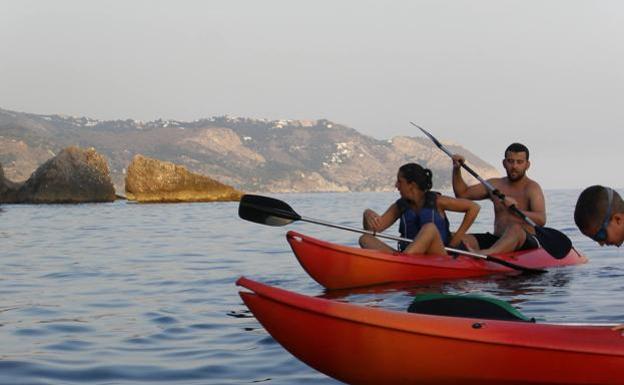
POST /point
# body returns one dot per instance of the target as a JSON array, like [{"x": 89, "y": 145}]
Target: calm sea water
[{"x": 124, "y": 293}]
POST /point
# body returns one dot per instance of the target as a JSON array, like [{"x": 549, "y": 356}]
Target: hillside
[{"x": 252, "y": 155}]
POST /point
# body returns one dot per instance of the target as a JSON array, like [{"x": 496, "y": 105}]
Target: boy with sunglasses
[{"x": 599, "y": 214}]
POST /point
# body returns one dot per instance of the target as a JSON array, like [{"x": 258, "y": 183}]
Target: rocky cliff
[
  {"x": 250, "y": 154},
  {"x": 151, "y": 180}
]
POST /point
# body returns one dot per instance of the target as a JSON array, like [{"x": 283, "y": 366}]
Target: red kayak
[
  {"x": 340, "y": 267},
  {"x": 362, "y": 345}
]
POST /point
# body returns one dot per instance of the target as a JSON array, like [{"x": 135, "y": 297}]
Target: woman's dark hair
[{"x": 413, "y": 172}]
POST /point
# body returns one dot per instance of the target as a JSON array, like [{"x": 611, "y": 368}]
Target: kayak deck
[
  {"x": 340, "y": 267},
  {"x": 363, "y": 345}
]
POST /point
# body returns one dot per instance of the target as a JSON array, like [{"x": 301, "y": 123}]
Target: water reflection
[
  {"x": 521, "y": 291},
  {"x": 499, "y": 285}
]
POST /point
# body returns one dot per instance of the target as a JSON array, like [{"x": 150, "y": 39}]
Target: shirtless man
[{"x": 510, "y": 231}]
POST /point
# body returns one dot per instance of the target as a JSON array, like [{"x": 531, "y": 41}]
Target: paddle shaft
[{"x": 401, "y": 239}]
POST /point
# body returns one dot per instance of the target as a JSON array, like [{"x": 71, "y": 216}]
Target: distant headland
[{"x": 252, "y": 155}]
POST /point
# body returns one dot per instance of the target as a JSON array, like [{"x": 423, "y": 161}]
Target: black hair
[
  {"x": 591, "y": 206},
  {"x": 517, "y": 147},
  {"x": 413, "y": 172}
]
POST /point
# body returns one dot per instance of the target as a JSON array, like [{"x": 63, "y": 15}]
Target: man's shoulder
[
  {"x": 532, "y": 187},
  {"x": 533, "y": 184}
]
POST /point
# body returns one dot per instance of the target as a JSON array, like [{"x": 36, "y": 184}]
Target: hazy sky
[{"x": 482, "y": 74}]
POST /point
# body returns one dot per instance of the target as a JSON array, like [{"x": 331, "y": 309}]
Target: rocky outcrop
[
  {"x": 8, "y": 189},
  {"x": 75, "y": 175},
  {"x": 152, "y": 180}
]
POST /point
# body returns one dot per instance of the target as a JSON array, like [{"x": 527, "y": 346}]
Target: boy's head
[{"x": 599, "y": 214}]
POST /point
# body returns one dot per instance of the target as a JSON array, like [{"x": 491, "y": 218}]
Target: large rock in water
[
  {"x": 152, "y": 180},
  {"x": 75, "y": 175},
  {"x": 8, "y": 189}
]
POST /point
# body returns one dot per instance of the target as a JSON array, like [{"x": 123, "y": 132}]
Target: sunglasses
[{"x": 601, "y": 234}]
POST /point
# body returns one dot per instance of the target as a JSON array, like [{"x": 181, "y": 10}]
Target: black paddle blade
[
  {"x": 553, "y": 241},
  {"x": 266, "y": 211},
  {"x": 470, "y": 306}
]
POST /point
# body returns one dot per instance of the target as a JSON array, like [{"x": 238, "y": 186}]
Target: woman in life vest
[{"x": 422, "y": 216}]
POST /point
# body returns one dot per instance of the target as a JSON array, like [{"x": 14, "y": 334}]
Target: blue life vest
[{"x": 412, "y": 221}]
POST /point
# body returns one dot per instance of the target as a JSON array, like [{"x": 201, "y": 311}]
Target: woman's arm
[
  {"x": 378, "y": 223},
  {"x": 470, "y": 210}
]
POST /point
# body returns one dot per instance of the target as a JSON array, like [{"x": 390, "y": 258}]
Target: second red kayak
[
  {"x": 363, "y": 345},
  {"x": 340, "y": 267}
]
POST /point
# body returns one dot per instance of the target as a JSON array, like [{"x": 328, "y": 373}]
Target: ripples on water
[{"x": 128, "y": 293}]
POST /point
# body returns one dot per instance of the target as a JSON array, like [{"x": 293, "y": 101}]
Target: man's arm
[
  {"x": 461, "y": 189},
  {"x": 537, "y": 205}
]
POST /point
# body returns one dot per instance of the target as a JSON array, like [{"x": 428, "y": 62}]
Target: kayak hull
[
  {"x": 341, "y": 267},
  {"x": 362, "y": 345}
]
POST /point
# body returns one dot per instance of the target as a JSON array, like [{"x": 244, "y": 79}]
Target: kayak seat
[{"x": 469, "y": 306}]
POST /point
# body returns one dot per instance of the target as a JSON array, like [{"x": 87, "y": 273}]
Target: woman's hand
[
  {"x": 470, "y": 210},
  {"x": 455, "y": 241},
  {"x": 372, "y": 220}
]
